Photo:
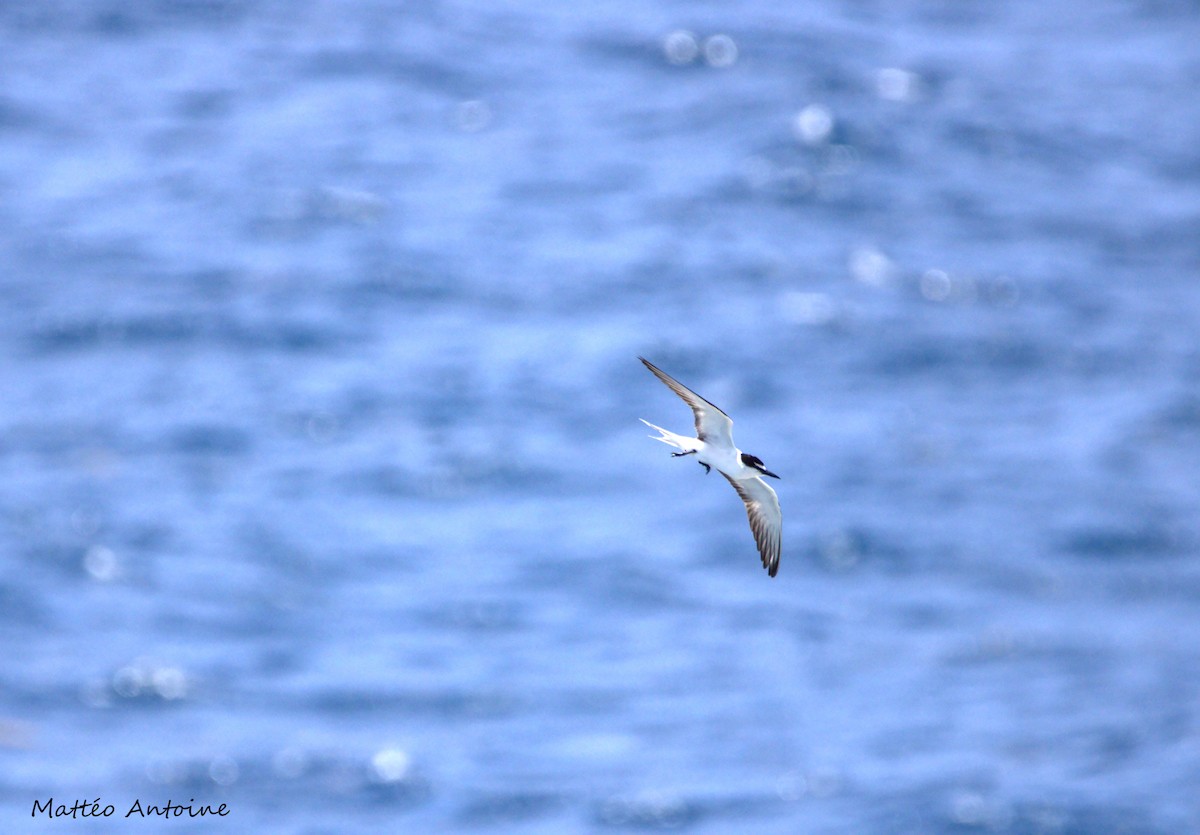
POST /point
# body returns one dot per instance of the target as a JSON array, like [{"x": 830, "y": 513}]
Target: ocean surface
[{"x": 322, "y": 490}]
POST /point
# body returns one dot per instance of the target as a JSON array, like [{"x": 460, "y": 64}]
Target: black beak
[{"x": 771, "y": 474}]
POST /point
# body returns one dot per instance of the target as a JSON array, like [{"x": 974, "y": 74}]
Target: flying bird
[{"x": 713, "y": 447}]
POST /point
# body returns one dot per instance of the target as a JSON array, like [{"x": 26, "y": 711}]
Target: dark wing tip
[
  {"x": 694, "y": 400},
  {"x": 770, "y": 558}
]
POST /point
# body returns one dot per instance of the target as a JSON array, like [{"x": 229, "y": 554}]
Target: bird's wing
[
  {"x": 712, "y": 425},
  {"x": 766, "y": 520}
]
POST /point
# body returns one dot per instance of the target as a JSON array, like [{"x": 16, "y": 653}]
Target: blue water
[{"x": 322, "y": 491}]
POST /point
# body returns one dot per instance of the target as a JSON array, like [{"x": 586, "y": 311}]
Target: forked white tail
[{"x": 671, "y": 439}]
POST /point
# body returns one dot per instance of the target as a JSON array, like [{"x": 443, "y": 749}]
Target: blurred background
[{"x": 323, "y": 493}]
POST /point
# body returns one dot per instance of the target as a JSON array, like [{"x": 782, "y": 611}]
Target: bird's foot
[
  {"x": 707, "y": 469},
  {"x": 681, "y": 454}
]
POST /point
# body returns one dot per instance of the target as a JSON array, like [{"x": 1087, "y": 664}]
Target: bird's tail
[{"x": 670, "y": 438}]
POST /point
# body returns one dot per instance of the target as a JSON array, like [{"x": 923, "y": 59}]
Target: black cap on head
[{"x": 754, "y": 462}]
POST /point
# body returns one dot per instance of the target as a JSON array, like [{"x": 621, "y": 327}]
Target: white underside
[{"x": 727, "y": 459}]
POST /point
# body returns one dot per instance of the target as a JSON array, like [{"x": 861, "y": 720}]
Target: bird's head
[{"x": 755, "y": 463}]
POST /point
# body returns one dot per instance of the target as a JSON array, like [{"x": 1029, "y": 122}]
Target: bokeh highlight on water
[{"x": 324, "y": 494}]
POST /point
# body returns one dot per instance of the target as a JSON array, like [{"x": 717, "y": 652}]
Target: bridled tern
[{"x": 713, "y": 447}]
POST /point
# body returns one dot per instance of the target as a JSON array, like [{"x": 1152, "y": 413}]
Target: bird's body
[
  {"x": 714, "y": 449},
  {"x": 726, "y": 459}
]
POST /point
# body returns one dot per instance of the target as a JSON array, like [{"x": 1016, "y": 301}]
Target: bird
[{"x": 713, "y": 447}]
